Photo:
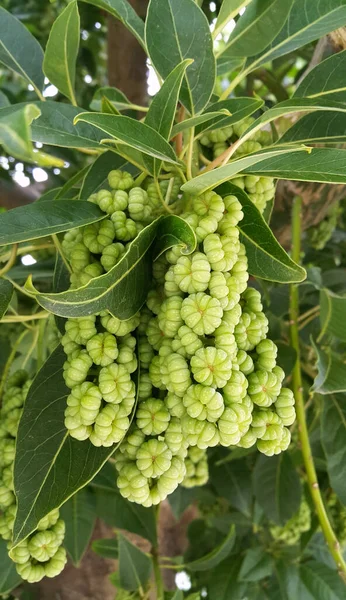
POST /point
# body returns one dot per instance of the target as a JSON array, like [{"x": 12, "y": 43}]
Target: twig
[
  {"x": 189, "y": 157},
  {"x": 328, "y": 532},
  {"x": 11, "y": 260}
]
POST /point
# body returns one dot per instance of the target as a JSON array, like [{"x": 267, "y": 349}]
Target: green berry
[
  {"x": 114, "y": 383},
  {"x": 201, "y": 313},
  {"x": 153, "y": 458},
  {"x": 203, "y": 403},
  {"x": 152, "y": 417},
  {"x": 120, "y": 180},
  {"x": 211, "y": 367}
]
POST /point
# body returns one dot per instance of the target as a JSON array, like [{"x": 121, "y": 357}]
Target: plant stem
[
  {"x": 189, "y": 157},
  {"x": 60, "y": 251},
  {"x": 160, "y": 592},
  {"x": 309, "y": 312},
  {"x": 11, "y": 359},
  {"x": 312, "y": 317},
  {"x": 329, "y": 535},
  {"x": 11, "y": 260},
  {"x": 43, "y": 314}
]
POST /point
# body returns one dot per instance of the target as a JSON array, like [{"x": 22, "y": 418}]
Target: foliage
[{"x": 158, "y": 347}]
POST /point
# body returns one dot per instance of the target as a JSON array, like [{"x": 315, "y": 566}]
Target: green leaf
[
  {"x": 116, "y": 97},
  {"x": 277, "y": 487},
  {"x": 40, "y": 219},
  {"x": 332, "y": 314},
  {"x": 323, "y": 583},
  {"x": 266, "y": 258},
  {"x": 228, "y": 10},
  {"x": 181, "y": 28},
  {"x": 333, "y": 437},
  {"x": 181, "y": 499},
  {"x": 213, "y": 558},
  {"x": 97, "y": 175},
  {"x": 79, "y": 516},
  {"x": 20, "y": 51},
  {"x": 9, "y": 578},
  {"x": 222, "y": 583},
  {"x": 306, "y": 22},
  {"x": 134, "y": 566},
  {"x": 324, "y": 127},
  {"x": 6, "y": 291},
  {"x": 122, "y": 10},
  {"x": 239, "y": 109},
  {"x": 291, "y": 586},
  {"x": 331, "y": 377},
  {"x": 257, "y": 565},
  {"x": 15, "y": 132},
  {"x": 205, "y": 118},
  {"x": 226, "y": 63},
  {"x": 258, "y": 26},
  {"x": 59, "y": 63},
  {"x": 49, "y": 465},
  {"x": 4, "y": 101},
  {"x": 209, "y": 180},
  {"x": 321, "y": 165},
  {"x": 133, "y": 133},
  {"x": 107, "y": 547},
  {"x": 325, "y": 79},
  {"x": 233, "y": 482},
  {"x": 123, "y": 289},
  {"x": 61, "y": 282}
]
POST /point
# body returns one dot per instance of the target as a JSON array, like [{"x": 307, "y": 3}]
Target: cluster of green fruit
[
  {"x": 215, "y": 142},
  {"x": 42, "y": 554},
  {"x": 337, "y": 513},
  {"x": 319, "y": 235},
  {"x": 291, "y": 532}
]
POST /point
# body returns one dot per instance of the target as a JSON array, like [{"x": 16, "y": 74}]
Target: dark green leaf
[
  {"x": 306, "y": 22},
  {"x": 4, "y": 101},
  {"x": 226, "y": 63},
  {"x": 325, "y": 79},
  {"x": 69, "y": 189},
  {"x": 331, "y": 372},
  {"x": 116, "y": 97},
  {"x": 20, "y": 51},
  {"x": 277, "y": 487},
  {"x": 257, "y": 565},
  {"x": 15, "y": 133},
  {"x": 258, "y": 26},
  {"x": 61, "y": 282},
  {"x": 134, "y": 566},
  {"x": 44, "y": 218},
  {"x": 9, "y": 578},
  {"x": 323, "y": 583},
  {"x": 324, "y": 127},
  {"x": 123, "y": 289},
  {"x": 233, "y": 482},
  {"x": 239, "y": 109},
  {"x": 79, "y": 516},
  {"x": 133, "y": 133},
  {"x": 6, "y": 291},
  {"x": 180, "y": 27},
  {"x": 211, "y": 179},
  {"x": 266, "y": 258},
  {"x": 291, "y": 585},
  {"x": 60, "y": 57},
  {"x": 181, "y": 499},
  {"x": 287, "y": 357},
  {"x": 214, "y": 557},
  {"x": 205, "y": 118},
  {"x": 49, "y": 466},
  {"x": 222, "y": 583},
  {"x": 333, "y": 436},
  {"x": 97, "y": 176},
  {"x": 122, "y": 10},
  {"x": 107, "y": 547},
  {"x": 333, "y": 314}
]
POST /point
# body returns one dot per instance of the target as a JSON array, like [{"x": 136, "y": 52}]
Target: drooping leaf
[
  {"x": 216, "y": 556},
  {"x": 60, "y": 57},
  {"x": 45, "y": 218},
  {"x": 306, "y": 22},
  {"x": 257, "y": 565},
  {"x": 333, "y": 437},
  {"x": 20, "y": 51},
  {"x": 325, "y": 79},
  {"x": 9, "y": 578},
  {"x": 258, "y": 26},
  {"x": 331, "y": 372},
  {"x": 15, "y": 132},
  {"x": 116, "y": 97},
  {"x": 240, "y": 108},
  {"x": 277, "y": 487},
  {"x": 106, "y": 547},
  {"x": 4, "y": 101},
  {"x": 96, "y": 177},
  {"x": 209, "y": 180},
  {"x": 323, "y": 127},
  {"x": 182, "y": 29},
  {"x": 6, "y": 291},
  {"x": 323, "y": 583},
  {"x": 228, "y": 10},
  {"x": 266, "y": 258},
  {"x": 133, "y": 133},
  {"x": 122, "y": 10},
  {"x": 79, "y": 516},
  {"x": 49, "y": 465},
  {"x": 332, "y": 314},
  {"x": 134, "y": 566},
  {"x": 123, "y": 289},
  {"x": 233, "y": 482}
]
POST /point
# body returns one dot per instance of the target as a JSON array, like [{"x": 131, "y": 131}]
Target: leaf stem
[
  {"x": 329, "y": 535},
  {"x": 59, "y": 249},
  {"x": 189, "y": 156},
  {"x": 160, "y": 592},
  {"x": 11, "y": 359},
  {"x": 43, "y": 314},
  {"x": 11, "y": 260},
  {"x": 162, "y": 200},
  {"x": 25, "y": 250},
  {"x": 309, "y": 312}
]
